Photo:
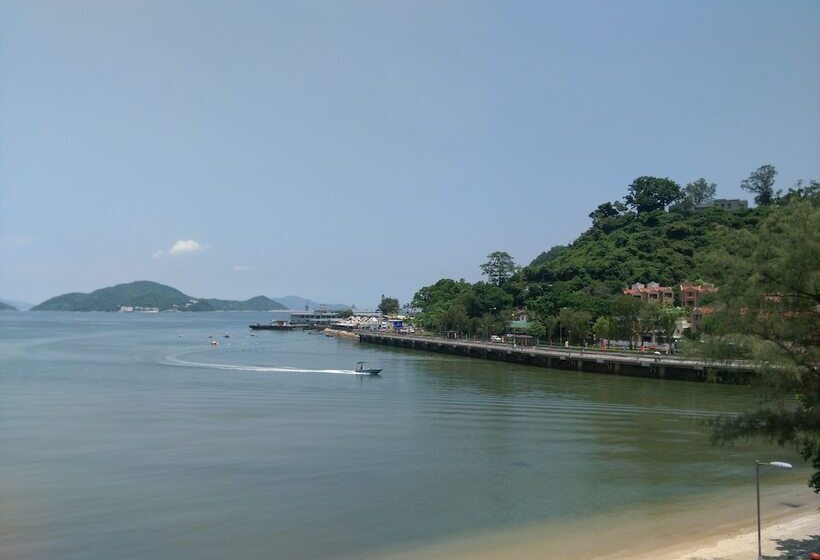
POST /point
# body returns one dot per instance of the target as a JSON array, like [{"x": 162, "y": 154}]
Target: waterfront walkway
[{"x": 600, "y": 361}]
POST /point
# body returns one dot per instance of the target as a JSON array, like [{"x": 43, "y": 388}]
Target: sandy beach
[{"x": 709, "y": 528}]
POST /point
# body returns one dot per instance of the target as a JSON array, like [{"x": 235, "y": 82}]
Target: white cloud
[
  {"x": 242, "y": 268},
  {"x": 181, "y": 247}
]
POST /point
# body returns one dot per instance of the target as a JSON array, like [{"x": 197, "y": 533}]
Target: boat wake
[{"x": 174, "y": 359}]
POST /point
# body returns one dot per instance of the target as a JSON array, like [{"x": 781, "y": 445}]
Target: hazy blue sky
[{"x": 341, "y": 150}]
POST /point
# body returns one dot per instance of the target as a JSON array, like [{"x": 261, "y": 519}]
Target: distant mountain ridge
[
  {"x": 297, "y": 303},
  {"x": 19, "y": 305},
  {"x": 144, "y": 293},
  {"x": 258, "y": 303},
  {"x": 7, "y": 307}
]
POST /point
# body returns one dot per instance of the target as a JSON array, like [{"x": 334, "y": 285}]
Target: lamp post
[{"x": 758, "y": 464}]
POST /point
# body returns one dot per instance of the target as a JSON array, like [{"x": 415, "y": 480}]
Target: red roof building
[
  {"x": 697, "y": 316},
  {"x": 691, "y": 294},
  {"x": 652, "y": 292}
]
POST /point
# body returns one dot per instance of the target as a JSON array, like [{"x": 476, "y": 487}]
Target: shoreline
[
  {"x": 719, "y": 527},
  {"x": 645, "y": 365}
]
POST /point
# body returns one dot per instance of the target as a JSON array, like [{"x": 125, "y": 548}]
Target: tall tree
[
  {"x": 626, "y": 317},
  {"x": 770, "y": 316},
  {"x": 652, "y": 193},
  {"x": 697, "y": 192},
  {"x": 389, "y": 305},
  {"x": 761, "y": 183},
  {"x": 499, "y": 267},
  {"x": 576, "y": 324},
  {"x": 603, "y": 328}
]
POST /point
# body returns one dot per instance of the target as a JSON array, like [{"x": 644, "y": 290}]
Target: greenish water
[{"x": 128, "y": 436}]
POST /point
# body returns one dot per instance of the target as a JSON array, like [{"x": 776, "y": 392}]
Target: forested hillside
[{"x": 660, "y": 232}]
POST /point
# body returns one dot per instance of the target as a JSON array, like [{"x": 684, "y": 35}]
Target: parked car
[{"x": 496, "y": 338}]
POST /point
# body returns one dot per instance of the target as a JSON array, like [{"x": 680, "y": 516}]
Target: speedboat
[{"x": 361, "y": 367}]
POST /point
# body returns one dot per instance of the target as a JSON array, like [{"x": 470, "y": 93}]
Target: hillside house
[
  {"x": 697, "y": 317},
  {"x": 692, "y": 294},
  {"x": 727, "y": 204},
  {"x": 651, "y": 292}
]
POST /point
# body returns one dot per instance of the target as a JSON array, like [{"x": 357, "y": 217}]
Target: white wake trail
[{"x": 173, "y": 359}]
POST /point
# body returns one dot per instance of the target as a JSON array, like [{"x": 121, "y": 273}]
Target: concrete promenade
[{"x": 598, "y": 361}]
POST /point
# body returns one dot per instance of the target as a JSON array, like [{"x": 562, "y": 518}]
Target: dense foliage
[
  {"x": 769, "y": 314},
  {"x": 479, "y": 308},
  {"x": 389, "y": 305},
  {"x": 144, "y": 293},
  {"x": 634, "y": 240},
  {"x": 761, "y": 184},
  {"x": 499, "y": 267},
  {"x": 624, "y": 247}
]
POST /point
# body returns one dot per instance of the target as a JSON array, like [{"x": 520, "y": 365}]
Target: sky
[{"x": 342, "y": 150}]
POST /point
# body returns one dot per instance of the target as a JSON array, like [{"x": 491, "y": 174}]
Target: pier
[{"x": 596, "y": 361}]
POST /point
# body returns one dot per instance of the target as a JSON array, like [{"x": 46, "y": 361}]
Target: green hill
[
  {"x": 660, "y": 233},
  {"x": 622, "y": 249},
  {"x": 144, "y": 293},
  {"x": 7, "y": 307}
]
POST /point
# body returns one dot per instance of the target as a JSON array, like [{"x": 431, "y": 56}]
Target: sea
[{"x": 133, "y": 436}]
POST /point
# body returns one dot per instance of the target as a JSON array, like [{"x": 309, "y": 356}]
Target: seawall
[{"x": 613, "y": 363}]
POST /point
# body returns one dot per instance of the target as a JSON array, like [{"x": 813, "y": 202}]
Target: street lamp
[{"x": 758, "y": 464}]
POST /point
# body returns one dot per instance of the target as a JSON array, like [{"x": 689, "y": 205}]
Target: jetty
[{"x": 632, "y": 364}]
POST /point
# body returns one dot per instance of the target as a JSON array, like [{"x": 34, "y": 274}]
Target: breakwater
[{"x": 595, "y": 361}]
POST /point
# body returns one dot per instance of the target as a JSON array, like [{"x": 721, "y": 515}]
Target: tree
[
  {"x": 770, "y": 316},
  {"x": 455, "y": 319},
  {"x": 389, "y": 305},
  {"x": 801, "y": 190},
  {"x": 649, "y": 318},
  {"x": 549, "y": 256},
  {"x": 652, "y": 193},
  {"x": 575, "y": 324},
  {"x": 499, "y": 267},
  {"x": 761, "y": 183},
  {"x": 695, "y": 193},
  {"x": 603, "y": 328},
  {"x": 626, "y": 317},
  {"x": 605, "y": 211}
]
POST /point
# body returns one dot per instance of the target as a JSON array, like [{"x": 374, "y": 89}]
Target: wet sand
[{"x": 702, "y": 528}]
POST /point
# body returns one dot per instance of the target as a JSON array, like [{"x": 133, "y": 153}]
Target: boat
[
  {"x": 361, "y": 368},
  {"x": 273, "y": 326}
]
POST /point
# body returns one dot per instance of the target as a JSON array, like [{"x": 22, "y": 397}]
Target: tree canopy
[
  {"x": 652, "y": 193},
  {"x": 761, "y": 184},
  {"x": 470, "y": 308},
  {"x": 769, "y": 314},
  {"x": 696, "y": 193},
  {"x": 499, "y": 267},
  {"x": 389, "y": 305}
]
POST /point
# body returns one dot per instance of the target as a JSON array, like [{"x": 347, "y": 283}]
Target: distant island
[
  {"x": 18, "y": 305},
  {"x": 7, "y": 307},
  {"x": 146, "y": 295}
]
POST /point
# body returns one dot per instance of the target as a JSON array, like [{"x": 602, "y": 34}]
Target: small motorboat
[{"x": 361, "y": 367}]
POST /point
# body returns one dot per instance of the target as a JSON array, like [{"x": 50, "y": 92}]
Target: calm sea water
[{"x": 128, "y": 436}]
